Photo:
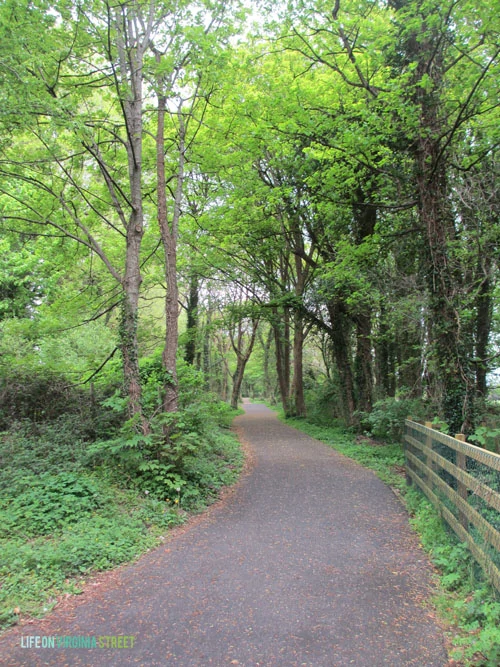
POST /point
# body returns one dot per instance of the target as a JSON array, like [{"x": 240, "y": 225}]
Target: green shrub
[
  {"x": 29, "y": 448},
  {"x": 39, "y": 397},
  {"x": 43, "y": 504},
  {"x": 33, "y": 573},
  {"x": 323, "y": 402},
  {"x": 193, "y": 461},
  {"x": 468, "y": 603},
  {"x": 82, "y": 489},
  {"x": 386, "y": 421}
]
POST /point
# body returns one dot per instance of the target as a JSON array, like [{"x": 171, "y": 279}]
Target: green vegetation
[
  {"x": 470, "y": 608},
  {"x": 72, "y": 504},
  {"x": 193, "y": 208}
]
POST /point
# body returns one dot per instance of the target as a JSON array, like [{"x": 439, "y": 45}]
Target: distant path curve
[{"x": 309, "y": 563}]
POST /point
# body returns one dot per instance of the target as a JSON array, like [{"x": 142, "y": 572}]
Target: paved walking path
[{"x": 309, "y": 563}]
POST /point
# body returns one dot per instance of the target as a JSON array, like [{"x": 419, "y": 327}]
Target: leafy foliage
[
  {"x": 71, "y": 505},
  {"x": 43, "y": 504},
  {"x": 386, "y": 420}
]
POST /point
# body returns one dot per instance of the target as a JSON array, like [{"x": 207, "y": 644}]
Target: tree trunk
[
  {"x": 282, "y": 343},
  {"x": 192, "y": 320},
  {"x": 451, "y": 358},
  {"x": 384, "y": 360},
  {"x": 298, "y": 402},
  {"x": 207, "y": 349},
  {"x": 363, "y": 363},
  {"x": 365, "y": 219},
  {"x": 130, "y": 357},
  {"x": 266, "y": 346},
  {"x": 237, "y": 381},
  {"x": 451, "y": 339},
  {"x": 483, "y": 327},
  {"x": 130, "y": 63},
  {"x": 242, "y": 357},
  {"x": 169, "y": 234},
  {"x": 340, "y": 342}
]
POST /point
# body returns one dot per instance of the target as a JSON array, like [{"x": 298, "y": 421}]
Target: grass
[
  {"x": 468, "y": 606},
  {"x": 63, "y": 518}
]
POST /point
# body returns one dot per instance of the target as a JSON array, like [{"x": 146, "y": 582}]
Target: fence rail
[{"x": 463, "y": 483}]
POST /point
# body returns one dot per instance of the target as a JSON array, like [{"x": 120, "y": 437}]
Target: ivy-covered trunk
[
  {"x": 130, "y": 355},
  {"x": 451, "y": 335},
  {"x": 129, "y": 82},
  {"x": 192, "y": 319},
  {"x": 132, "y": 279},
  {"x": 340, "y": 342},
  {"x": 363, "y": 362},
  {"x": 484, "y": 308}
]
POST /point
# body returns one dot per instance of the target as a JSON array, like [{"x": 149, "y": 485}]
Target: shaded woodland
[{"x": 304, "y": 210}]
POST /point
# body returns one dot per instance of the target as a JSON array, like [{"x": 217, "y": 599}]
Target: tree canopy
[{"x": 318, "y": 187}]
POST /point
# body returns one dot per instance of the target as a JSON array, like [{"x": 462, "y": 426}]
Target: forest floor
[{"x": 308, "y": 561}]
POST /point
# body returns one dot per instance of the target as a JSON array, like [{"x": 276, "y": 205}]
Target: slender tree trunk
[
  {"x": 340, "y": 346},
  {"x": 363, "y": 362},
  {"x": 207, "y": 348},
  {"x": 169, "y": 233},
  {"x": 384, "y": 359},
  {"x": 299, "y": 403},
  {"x": 266, "y": 346},
  {"x": 237, "y": 382},
  {"x": 192, "y": 319},
  {"x": 282, "y": 344},
  {"x": 483, "y": 327},
  {"x": 223, "y": 372},
  {"x": 172, "y": 326},
  {"x": 131, "y": 74},
  {"x": 130, "y": 356},
  {"x": 242, "y": 357}
]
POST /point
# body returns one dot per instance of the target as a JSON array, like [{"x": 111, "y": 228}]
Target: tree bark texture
[
  {"x": 451, "y": 344},
  {"x": 192, "y": 320},
  {"x": 282, "y": 343},
  {"x": 340, "y": 342},
  {"x": 363, "y": 362},
  {"x": 129, "y": 74},
  {"x": 484, "y": 309},
  {"x": 169, "y": 234}
]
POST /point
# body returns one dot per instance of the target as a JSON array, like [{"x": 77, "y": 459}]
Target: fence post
[
  {"x": 406, "y": 445},
  {"x": 428, "y": 460},
  {"x": 461, "y": 462}
]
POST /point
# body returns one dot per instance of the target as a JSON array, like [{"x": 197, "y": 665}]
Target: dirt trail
[{"x": 309, "y": 563}]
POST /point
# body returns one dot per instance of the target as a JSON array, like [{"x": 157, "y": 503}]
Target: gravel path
[{"x": 308, "y": 563}]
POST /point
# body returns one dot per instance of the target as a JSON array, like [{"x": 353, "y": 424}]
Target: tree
[
  {"x": 398, "y": 64},
  {"x": 89, "y": 173}
]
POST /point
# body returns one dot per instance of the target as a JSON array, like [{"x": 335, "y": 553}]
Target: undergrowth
[
  {"x": 75, "y": 500},
  {"x": 468, "y": 605}
]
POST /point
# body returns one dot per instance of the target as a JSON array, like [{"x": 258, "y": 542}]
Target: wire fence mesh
[{"x": 463, "y": 482}]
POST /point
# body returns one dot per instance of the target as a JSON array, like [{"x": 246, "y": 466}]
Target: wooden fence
[{"x": 463, "y": 483}]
